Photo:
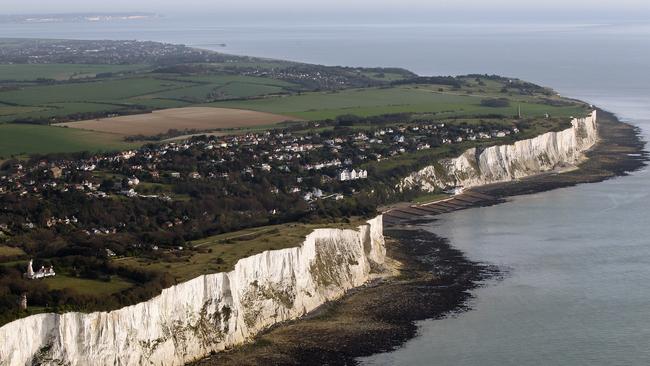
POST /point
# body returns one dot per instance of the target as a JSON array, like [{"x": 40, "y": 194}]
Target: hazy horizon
[{"x": 363, "y": 11}]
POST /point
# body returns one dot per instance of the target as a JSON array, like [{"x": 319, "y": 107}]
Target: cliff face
[
  {"x": 495, "y": 164},
  {"x": 208, "y": 313}
]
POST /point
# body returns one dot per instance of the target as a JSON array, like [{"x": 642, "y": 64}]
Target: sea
[{"x": 577, "y": 260}]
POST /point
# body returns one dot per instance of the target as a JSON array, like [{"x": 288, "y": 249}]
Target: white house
[
  {"x": 346, "y": 175},
  {"x": 41, "y": 273}
]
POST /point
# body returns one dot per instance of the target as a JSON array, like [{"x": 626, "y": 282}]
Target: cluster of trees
[
  {"x": 495, "y": 102},
  {"x": 171, "y": 133},
  {"x": 452, "y": 81},
  {"x": 81, "y": 116},
  {"x": 13, "y": 285}
]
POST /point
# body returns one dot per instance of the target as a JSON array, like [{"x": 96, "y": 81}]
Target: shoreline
[{"x": 435, "y": 278}]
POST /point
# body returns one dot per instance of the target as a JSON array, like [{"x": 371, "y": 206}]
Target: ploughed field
[{"x": 190, "y": 118}]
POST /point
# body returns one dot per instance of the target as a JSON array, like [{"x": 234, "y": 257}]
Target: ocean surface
[{"x": 578, "y": 259}]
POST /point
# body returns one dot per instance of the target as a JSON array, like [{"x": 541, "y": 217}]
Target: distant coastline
[{"x": 75, "y": 17}]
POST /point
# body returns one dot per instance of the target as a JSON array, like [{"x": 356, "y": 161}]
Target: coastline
[{"x": 369, "y": 321}]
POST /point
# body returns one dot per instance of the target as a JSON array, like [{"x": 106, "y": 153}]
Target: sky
[{"x": 363, "y": 10}]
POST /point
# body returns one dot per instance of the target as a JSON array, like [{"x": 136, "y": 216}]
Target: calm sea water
[{"x": 578, "y": 290}]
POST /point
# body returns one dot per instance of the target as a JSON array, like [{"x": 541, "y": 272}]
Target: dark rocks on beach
[{"x": 435, "y": 280}]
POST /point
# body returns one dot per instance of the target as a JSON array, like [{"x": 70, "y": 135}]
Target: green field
[
  {"x": 377, "y": 101},
  {"x": 34, "y": 139},
  {"x": 108, "y": 95},
  {"x": 60, "y": 72},
  {"x": 6, "y": 251},
  {"x": 103, "y": 90},
  {"x": 7, "y": 110},
  {"x": 220, "y": 253},
  {"x": 144, "y": 89},
  {"x": 87, "y": 286}
]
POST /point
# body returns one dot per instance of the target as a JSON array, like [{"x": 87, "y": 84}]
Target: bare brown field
[{"x": 190, "y": 118}]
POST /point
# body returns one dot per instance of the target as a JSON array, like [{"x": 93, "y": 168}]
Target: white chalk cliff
[
  {"x": 209, "y": 313},
  {"x": 547, "y": 152},
  {"x": 217, "y": 311}
]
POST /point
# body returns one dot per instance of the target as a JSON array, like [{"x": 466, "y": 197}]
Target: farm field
[
  {"x": 35, "y": 139},
  {"x": 180, "y": 101},
  {"x": 191, "y": 118},
  {"x": 45, "y": 102},
  {"x": 377, "y": 101},
  {"x": 60, "y": 72}
]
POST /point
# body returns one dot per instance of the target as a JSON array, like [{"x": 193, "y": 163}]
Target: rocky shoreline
[{"x": 434, "y": 280}]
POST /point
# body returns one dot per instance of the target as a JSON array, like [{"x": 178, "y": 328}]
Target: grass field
[
  {"x": 111, "y": 90},
  {"x": 88, "y": 286},
  {"x": 198, "y": 118},
  {"x": 6, "y": 251},
  {"x": 35, "y": 139},
  {"x": 220, "y": 253},
  {"x": 60, "y": 72},
  {"x": 276, "y": 100},
  {"x": 145, "y": 89},
  {"x": 376, "y": 101},
  {"x": 6, "y": 110}
]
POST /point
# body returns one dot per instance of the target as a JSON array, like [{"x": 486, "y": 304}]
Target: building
[
  {"x": 314, "y": 194},
  {"x": 41, "y": 273},
  {"x": 345, "y": 175},
  {"x": 23, "y": 301}
]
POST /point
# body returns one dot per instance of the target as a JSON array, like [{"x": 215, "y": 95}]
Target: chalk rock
[
  {"x": 208, "y": 313},
  {"x": 504, "y": 163}
]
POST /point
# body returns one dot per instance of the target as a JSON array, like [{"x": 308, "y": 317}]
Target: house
[
  {"x": 129, "y": 193},
  {"x": 41, "y": 273},
  {"x": 314, "y": 194},
  {"x": 88, "y": 167},
  {"x": 346, "y": 175}
]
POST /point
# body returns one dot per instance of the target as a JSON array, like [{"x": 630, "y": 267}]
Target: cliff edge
[
  {"x": 209, "y": 313},
  {"x": 495, "y": 164}
]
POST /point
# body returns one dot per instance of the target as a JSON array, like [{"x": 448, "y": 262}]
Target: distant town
[
  {"x": 34, "y": 51},
  {"x": 74, "y": 17},
  {"x": 312, "y": 166}
]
